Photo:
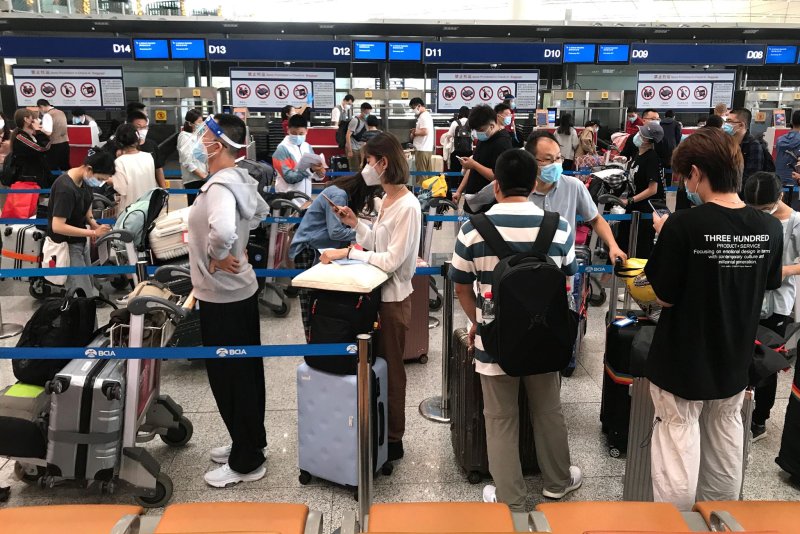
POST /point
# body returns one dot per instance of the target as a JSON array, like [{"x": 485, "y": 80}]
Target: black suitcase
[
  {"x": 339, "y": 164},
  {"x": 467, "y": 426},
  {"x": 338, "y": 317},
  {"x": 789, "y": 456},
  {"x": 615, "y": 405},
  {"x": 258, "y": 257}
]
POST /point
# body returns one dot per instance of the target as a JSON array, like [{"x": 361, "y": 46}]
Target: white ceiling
[{"x": 673, "y": 12}]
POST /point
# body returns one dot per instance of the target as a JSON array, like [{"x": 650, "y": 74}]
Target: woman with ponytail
[{"x": 194, "y": 169}]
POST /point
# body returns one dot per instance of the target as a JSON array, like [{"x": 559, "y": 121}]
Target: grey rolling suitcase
[
  {"x": 86, "y": 417},
  {"x": 22, "y": 246},
  {"x": 327, "y": 424}
]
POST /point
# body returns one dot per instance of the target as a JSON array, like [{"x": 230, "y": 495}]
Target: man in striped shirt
[{"x": 518, "y": 221}]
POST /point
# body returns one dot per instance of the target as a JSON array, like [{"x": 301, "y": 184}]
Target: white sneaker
[
  {"x": 489, "y": 493},
  {"x": 224, "y": 476},
  {"x": 576, "y": 479},
  {"x": 219, "y": 455}
]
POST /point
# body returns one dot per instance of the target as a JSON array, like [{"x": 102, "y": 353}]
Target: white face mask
[
  {"x": 2, "y": 124},
  {"x": 371, "y": 176},
  {"x": 346, "y": 106},
  {"x": 142, "y": 135}
]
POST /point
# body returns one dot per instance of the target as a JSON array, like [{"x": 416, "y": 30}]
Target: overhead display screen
[
  {"x": 579, "y": 53},
  {"x": 613, "y": 53},
  {"x": 372, "y": 50},
  {"x": 781, "y": 55},
  {"x": 150, "y": 49},
  {"x": 405, "y": 51},
  {"x": 187, "y": 48}
]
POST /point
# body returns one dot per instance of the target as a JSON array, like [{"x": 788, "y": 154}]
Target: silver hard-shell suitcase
[
  {"x": 86, "y": 417},
  {"x": 22, "y": 246},
  {"x": 327, "y": 423}
]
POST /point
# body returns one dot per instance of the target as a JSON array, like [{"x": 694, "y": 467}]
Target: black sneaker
[
  {"x": 759, "y": 432},
  {"x": 395, "y": 450}
]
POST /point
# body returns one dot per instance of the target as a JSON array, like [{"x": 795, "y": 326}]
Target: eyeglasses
[{"x": 734, "y": 122}]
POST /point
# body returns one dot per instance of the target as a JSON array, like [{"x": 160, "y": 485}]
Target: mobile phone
[
  {"x": 331, "y": 202},
  {"x": 661, "y": 211}
]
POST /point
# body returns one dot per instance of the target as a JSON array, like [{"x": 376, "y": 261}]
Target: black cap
[{"x": 101, "y": 161}]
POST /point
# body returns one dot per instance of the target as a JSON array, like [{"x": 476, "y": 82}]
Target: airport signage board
[
  {"x": 698, "y": 54},
  {"x": 446, "y": 52},
  {"x": 259, "y": 50},
  {"x": 70, "y": 87},
  {"x": 613, "y": 53},
  {"x": 456, "y": 88},
  {"x": 272, "y": 89},
  {"x": 685, "y": 91},
  {"x": 66, "y": 47},
  {"x": 579, "y": 53}
]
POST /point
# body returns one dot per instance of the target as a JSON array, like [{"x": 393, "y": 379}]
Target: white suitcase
[
  {"x": 167, "y": 239},
  {"x": 22, "y": 247},
  {"x": 437, "y": 163}
]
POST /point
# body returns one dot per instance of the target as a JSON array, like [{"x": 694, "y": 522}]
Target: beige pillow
[{"x": 354, "y": 278}]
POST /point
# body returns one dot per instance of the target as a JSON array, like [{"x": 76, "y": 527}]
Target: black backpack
[
  {"x": 534, "y": 329},
  {"x": 260, "y": 171},
  {"x": 358, "y": 134},
  {"x": 462, "y": 139},
  {"x": 59, "y": 322}
]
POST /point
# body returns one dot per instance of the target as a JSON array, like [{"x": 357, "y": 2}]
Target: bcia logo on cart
[
  {"x": 223, "y": 352},
  {"x": 94, "y": 353}
]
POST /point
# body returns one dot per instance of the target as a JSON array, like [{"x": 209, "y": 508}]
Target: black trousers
[
  {"x": 237, "y": 383},
  {"x": 765, "y": 393},
  {"x": 58, "y": 156},
  {"x": 195, "y": 184}
]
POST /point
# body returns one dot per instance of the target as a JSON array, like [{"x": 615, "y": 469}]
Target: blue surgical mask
[
  {"x": 297, "y": 139},
  {"x": 632, "y": 119},
  {"x": 91, "y": 181},
  {"x": 728, "y": 128},
  {"x": 693, "y": 197},
  {"x": 551, "y": 173},
  {"x": 507, "y": 120},
  {"x": 513, "y": 105},
  {"x": 77, "y": 120},
  {"x": 481, "y": 136},
  {"x": 638, "y": 141},
  {"x": 199, "y": 152}
]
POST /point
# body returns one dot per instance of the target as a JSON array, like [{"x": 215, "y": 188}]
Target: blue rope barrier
[
  {"x": 280, "y": 220},
  {"x": 606, "y": 216},
  {"x": 177, "y": 353},
  {"x": 7, "y": 191}
]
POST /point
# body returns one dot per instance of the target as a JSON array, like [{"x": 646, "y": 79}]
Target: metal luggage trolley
[{"x": 147, "y": 412}]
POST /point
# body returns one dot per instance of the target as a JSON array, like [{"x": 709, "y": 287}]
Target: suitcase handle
[
  {"x": 381, "y": 423},
  {"x": 145, "y": 304},
  {"x": 120, "y": 235}
]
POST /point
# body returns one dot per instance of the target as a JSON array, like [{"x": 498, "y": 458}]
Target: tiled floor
[{"x": 427, "y": 473}]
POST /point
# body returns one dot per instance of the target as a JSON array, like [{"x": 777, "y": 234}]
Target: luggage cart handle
[
  {"x": 145, "y": 304},
  {"x": 292, "y": 195},
  {"x": 118, "y": 235},
  {"x": 610, "y": 200},
  {"x": 168, "y": 273},
  {"x": 437, "y": 202},
  {"x": 284, "y": 204}
]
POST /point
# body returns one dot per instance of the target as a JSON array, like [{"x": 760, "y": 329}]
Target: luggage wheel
[
  {"x": 30, "y": 474},
  {"x": 387, "y": 469},
  {"x": 161, "y": 496},
  {"x": 474, "y": 477},
  {"x": 179, "y": 435},
  {"x": 614, "y": 452},
  {"x": 423, "y": 359},
  {"x": 305, "y": 477}
]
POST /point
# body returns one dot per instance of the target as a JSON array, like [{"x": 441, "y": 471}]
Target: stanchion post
[
  {"x": 633, "y": 236},
  {"x": 141, "y": 271},
  {"x": 364, "y": 430},
  {"x": 437, "y": 408}
]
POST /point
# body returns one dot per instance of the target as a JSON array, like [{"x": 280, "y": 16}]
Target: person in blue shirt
[
  {"x": 787, "y": 152},
  {"x": 322, "y": 228}
]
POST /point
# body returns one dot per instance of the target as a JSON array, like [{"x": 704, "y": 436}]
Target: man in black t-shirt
[
  {"x": 493, "y": 140},
  {"x": 70, "y": 212},
  {"x": 709, "y": 269}
]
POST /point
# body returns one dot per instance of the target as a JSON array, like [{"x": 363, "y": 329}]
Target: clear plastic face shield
[{"x": 202, "y": 141}]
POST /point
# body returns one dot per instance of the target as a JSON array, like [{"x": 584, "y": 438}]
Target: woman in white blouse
[
  {"x": 391, "y": 245},
  {"x": 135, "y": 172},
  {"x": 194, "y": 167}
]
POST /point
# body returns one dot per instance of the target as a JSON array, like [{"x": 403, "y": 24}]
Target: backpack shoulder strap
[
  {"x": 491, "y": 235},
  {"x": 547, "y": 231}
]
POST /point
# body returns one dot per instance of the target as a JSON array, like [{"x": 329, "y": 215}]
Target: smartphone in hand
[
  {"x": 336, "y": 208},
  {"x": 662, "y": 212}
]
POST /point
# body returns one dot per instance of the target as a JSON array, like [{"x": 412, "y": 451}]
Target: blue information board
[
  {"x": 405, "y": 51},
  {"x": 442, "y": 52},
  {"x": 369, "y": 50},
  {"x": 691, "y": 54},
  {"x": 613, "y": 53},
  {"x": 579, "y": 53},
  {"x": 66, "y": 47},
  {"x": 781, "y": 55},
  {"x": 234, "y": 49},
  {"x": 150, "y": 49},
  {"x": 187, "y": 48}
]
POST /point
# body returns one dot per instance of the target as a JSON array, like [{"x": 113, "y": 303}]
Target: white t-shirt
[
  {"x": 336, "y": 114},
  {"x": 47, "y": 123},
  {"x": 424, "y": 142},
  {"x": 134, "y": 176}
]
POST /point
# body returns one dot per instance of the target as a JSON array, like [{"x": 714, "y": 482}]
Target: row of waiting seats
[{"x": 753, "y": 517}]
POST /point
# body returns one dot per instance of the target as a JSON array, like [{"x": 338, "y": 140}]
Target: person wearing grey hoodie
[{"x": 225, "y": 286}]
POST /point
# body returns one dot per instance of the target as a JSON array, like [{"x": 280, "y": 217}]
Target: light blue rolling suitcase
[{"x": 327, "y": 424}]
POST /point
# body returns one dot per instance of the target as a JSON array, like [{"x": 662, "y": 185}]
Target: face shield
[{"x": 200, "y": 150}]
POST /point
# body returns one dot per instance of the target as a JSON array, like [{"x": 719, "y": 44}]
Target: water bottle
[
  {"x": 487, "y": 308},
  {"x": 571, "y": 299}
]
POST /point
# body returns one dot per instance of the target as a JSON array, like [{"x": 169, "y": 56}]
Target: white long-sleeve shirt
[{"x": 393, "y": 244}]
